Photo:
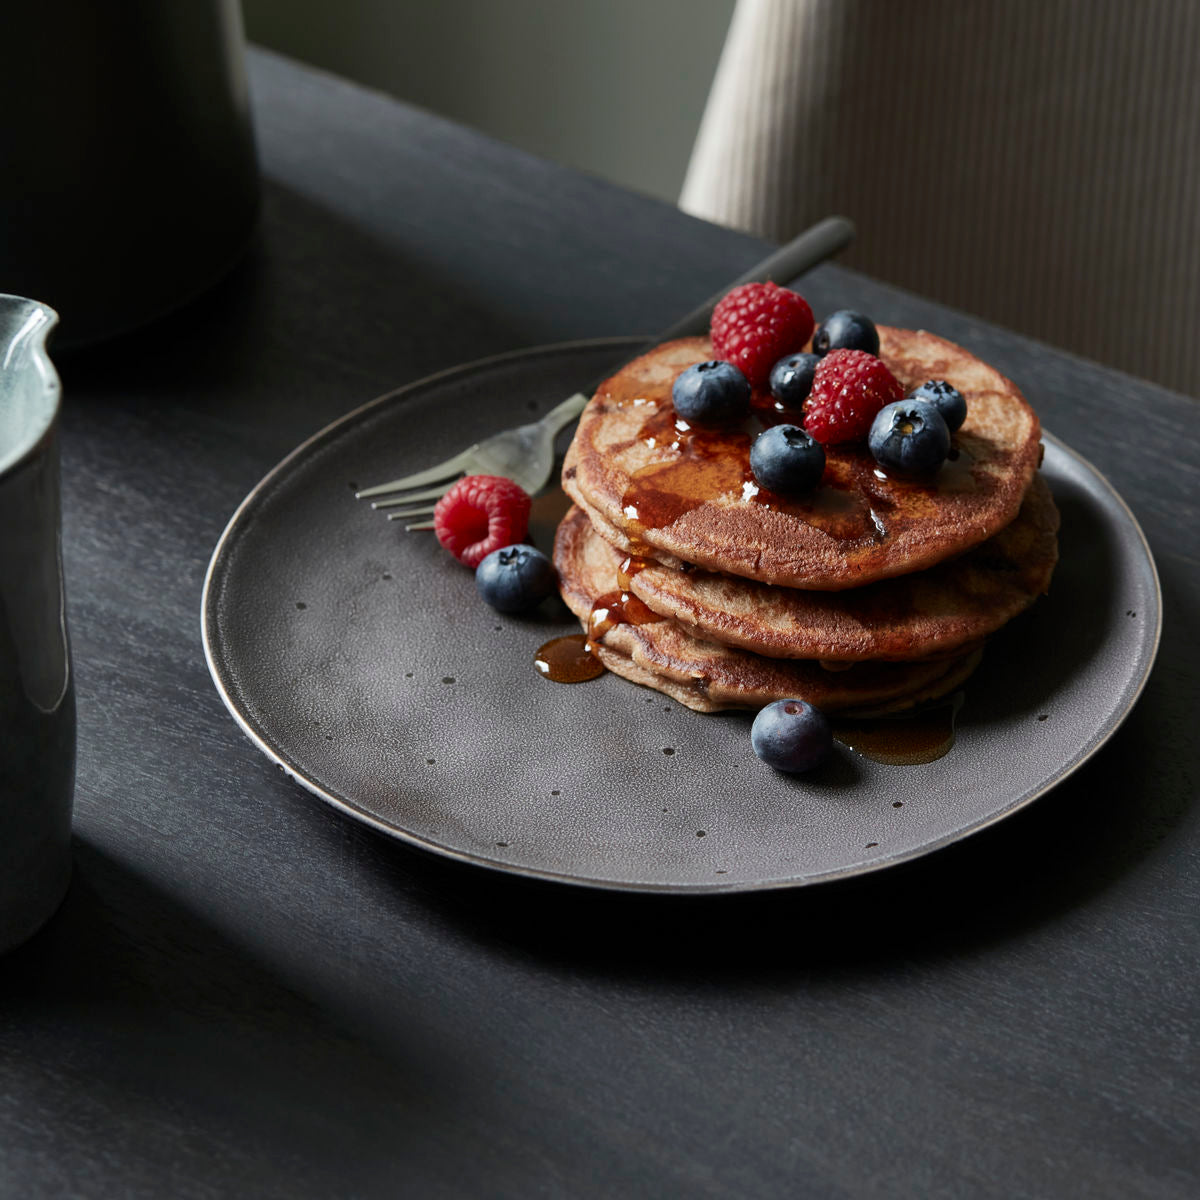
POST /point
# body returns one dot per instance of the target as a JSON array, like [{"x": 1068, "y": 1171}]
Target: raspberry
[
  {"x": 849, "y": 388},
  {"x": 756, "y": 325},
  {"x": 479, "y": 514}
]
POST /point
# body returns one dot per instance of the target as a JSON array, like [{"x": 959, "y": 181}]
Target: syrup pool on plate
[
  {"x": 567, "y": 659},
  {"x": 906, "y": 740}
]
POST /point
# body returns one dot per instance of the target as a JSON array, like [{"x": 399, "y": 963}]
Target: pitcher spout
[{"x": 29, "y": 384}]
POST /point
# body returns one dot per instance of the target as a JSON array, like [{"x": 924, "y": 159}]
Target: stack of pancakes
[{"x": 871, "y": 594}]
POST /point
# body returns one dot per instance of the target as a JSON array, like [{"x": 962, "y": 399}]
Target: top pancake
[{"x": 660, "y": 489}]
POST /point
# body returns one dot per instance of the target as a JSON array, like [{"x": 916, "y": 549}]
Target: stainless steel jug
[{"x": 37, "y": 697}]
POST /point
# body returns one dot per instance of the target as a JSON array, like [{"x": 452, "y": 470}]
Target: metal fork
[{"x": 526, "y": 454}]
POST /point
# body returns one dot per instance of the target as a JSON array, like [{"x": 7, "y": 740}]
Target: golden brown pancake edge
[{"x": 932, "y": 612}]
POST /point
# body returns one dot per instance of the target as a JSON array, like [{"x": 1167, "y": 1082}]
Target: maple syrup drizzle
[
  {"x": 906, "y": 740},
  {"x": 620, "y": 606},
  {"x": 630, "y": 568},
  {"x": 617, "y": 608},
  {"x": 855, "y": 502},
  {"x": 568, "y": 660}
]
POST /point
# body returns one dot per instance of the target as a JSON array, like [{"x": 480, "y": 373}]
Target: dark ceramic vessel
[
  {"x": 132, "y": 182},
  {"x": 37, "y": 699}
]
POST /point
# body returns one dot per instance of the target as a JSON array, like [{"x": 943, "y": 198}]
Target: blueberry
[
  {"x": 787, "y": 459},
  {"x": 846, "y": 330},
  {"x": 514, "y": 578},
  {"x": 791, "y": 735},
  {"x": 946, "y": 398},
  {"x": 792, "y": 378},
  {"x": 909, "y": 436},
  {"x": 711, "y": 392}
]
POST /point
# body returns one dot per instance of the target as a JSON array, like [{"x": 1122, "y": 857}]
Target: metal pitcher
[{"x": 37, "y": 696}]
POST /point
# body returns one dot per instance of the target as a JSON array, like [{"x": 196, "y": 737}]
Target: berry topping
[
  {"x": 909, "y": 436},
  {"x": 756, "y": 324},
  {"x": 515, "y": 578},
  {"x": 479, "y": 514},
  {"x": 711, "y": 392},
  {"x": 791, "y": 379},
  {"x": 849, "y": 388},
  {"x": 791, "y": 735},
  {"x": 946, "y": 398},
  {"x": 787, "y": 460},
  {"x": 846, "y": 330}
]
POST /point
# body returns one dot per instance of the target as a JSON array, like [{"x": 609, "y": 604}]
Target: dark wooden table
[{"x": 248, "y": 994}]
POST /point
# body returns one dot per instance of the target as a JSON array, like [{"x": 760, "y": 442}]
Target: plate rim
[{"x": 695, "y": 888}]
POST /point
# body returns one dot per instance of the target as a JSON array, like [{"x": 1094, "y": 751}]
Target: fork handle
[{"x": 801, "y": 254}]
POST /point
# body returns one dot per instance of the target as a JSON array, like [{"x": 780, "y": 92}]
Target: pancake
[
  {"x": 931, "y": 612},
  {"x": 653, "y": 650},
  {"x": 681, "y": 495},
  {"x": 705, "y": 695}
]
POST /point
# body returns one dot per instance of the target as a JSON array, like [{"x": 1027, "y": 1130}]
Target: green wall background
[{"x": 614, "y": 88}]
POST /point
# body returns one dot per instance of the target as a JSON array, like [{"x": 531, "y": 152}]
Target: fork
[{"x": 526, "y": 454}]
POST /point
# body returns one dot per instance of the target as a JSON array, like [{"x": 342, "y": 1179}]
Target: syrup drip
[
  {"x": 621, "y": 606},
  {"x": 903, "y": 741},
  {"x": 568, "y": 660},
  {"x": 629, "y": 569},
  {"x": 617, "y": 608}
]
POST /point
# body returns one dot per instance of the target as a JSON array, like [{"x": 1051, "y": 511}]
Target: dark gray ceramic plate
[{"x": 359, "y": 658}]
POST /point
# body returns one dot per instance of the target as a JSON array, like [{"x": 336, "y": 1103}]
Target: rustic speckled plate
[{"x": 360, "y": 659}]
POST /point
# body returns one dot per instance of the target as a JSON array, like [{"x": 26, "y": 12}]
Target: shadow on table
[{"x": 148, "y": 1029}]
